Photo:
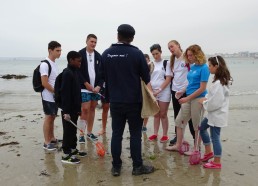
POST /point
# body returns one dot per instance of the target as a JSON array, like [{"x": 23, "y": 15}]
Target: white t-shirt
[
  {"x": 179, "y": 73},
  {"x": 91, "y": 69},
  {"x": 157, "y": 78},
  {"x": 47, "y": 95}
]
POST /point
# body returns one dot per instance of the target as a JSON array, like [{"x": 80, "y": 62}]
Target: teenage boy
[
  {"x": 49, "y": 106},
  {"x": 70, "y": 92},
  {"x": 91, "y": 82}
]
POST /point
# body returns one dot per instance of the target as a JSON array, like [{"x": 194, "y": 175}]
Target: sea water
[{"x": 18, "y": 94}]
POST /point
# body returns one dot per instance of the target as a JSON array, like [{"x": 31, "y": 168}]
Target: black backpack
[
  {"x": 36, "y": 78},
  {"x": 57, "y": 89}
]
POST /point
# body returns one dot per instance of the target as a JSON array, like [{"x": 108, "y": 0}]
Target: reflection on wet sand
[{"x": 34, "y": 166}]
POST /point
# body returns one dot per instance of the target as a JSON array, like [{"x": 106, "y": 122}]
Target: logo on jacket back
[{"x": 117, "y": 55}]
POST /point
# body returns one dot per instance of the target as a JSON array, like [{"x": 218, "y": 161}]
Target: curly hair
[
  {"x": 198, "y": 54},
  {"x": 222, "y": 72}
]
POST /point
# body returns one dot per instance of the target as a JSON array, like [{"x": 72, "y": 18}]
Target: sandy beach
[{"x": 24, "y": 162}]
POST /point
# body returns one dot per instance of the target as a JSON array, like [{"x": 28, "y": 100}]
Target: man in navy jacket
[{"x": 123, "y": 66}]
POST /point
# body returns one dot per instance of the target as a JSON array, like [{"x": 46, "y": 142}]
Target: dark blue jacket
[
  {"x": 84, "y": 73},
  {"x": 70, "y": 91},
  {"x": 123, "y": 67}
]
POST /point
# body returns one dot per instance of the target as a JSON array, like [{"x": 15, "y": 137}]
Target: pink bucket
[
  {"x": 184, "y": 147},
  {"x": 195, "y": 158}
]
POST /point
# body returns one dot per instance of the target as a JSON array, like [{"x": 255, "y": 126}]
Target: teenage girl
[
  {"x": 179, "y": 69},
  {"x": 216, "y": 104},
  {"x": 196, "y": 89},
  {"x": 160, "y": 82}
]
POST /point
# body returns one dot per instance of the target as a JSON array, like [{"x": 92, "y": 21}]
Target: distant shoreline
[{"x": 63, "y": 58}]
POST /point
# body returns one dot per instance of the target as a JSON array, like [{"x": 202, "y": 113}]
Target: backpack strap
[
  {"x": 49, "y": 66},
  {"x": 165, "y": 64}
]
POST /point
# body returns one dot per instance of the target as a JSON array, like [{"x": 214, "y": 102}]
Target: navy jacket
[
  {"x": 70, "y": 91},
  {"x": 84, "y": 73},
  {"x": 123, "y": 67}
]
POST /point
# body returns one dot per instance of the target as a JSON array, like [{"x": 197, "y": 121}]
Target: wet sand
[{"x": 23, "y": 161}]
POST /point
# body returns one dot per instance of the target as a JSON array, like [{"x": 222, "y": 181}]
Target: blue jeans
[
  {"x": 122, "y": 113},
  {"x": 215, "y": 137}
]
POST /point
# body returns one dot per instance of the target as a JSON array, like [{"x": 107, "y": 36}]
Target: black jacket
[
  {"x": 84, "y": 73},
  {"x": 70, "y": 91},
  {"x": 123, "y": 67}
]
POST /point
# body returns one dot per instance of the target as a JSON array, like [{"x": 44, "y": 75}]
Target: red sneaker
[
  {"x": 164, "y": 139},
  {"x": 208, "y": 156},
  {"x": 212, "y": 165},
  {"x": 153, "y": 137}
]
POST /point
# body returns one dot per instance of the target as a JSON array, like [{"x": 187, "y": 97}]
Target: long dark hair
[{"x": 222, "y": 72}]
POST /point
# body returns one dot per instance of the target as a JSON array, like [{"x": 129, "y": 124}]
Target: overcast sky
[{"x": 216, "y": 25}]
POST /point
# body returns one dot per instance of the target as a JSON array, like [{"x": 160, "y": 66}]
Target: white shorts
[{"x": 164, "y": 95}]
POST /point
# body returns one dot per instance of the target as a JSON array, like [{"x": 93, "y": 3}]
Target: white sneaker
[{"x": 188, "y": 153}]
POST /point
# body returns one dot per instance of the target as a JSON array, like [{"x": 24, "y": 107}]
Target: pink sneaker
[
  {"x": 208, "y": 156},
  {"x": 153, "y": 137},
  {"x": 164, "y": 139},
  {"x": 212, "y": 165}
]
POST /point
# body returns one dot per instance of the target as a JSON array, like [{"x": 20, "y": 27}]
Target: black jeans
[
  {"x": 69, "y": 133},
  {"x": 130, "y": 112},
  {"x": 177, "y": 107}
]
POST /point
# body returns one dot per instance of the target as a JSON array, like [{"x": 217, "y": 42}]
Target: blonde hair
[
  {"x": 172, "y": 57},
  {"x": 198, "y": 54}
]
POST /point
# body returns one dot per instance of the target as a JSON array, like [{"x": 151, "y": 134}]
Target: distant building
[{"x": 242, "y": 54}]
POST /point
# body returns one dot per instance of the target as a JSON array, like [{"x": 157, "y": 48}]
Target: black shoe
[
  {"x": 116, "y": 171},
  {"x": 144, "y": 169},
  {"x": 70, "y": 160},
  {"x": 172, "y": 142},
  {"x": 92, "y": 137},
  {"x": 79, "y": 153}
]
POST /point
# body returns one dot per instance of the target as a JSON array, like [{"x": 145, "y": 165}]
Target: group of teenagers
[{"x": 115, "y": 78}]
